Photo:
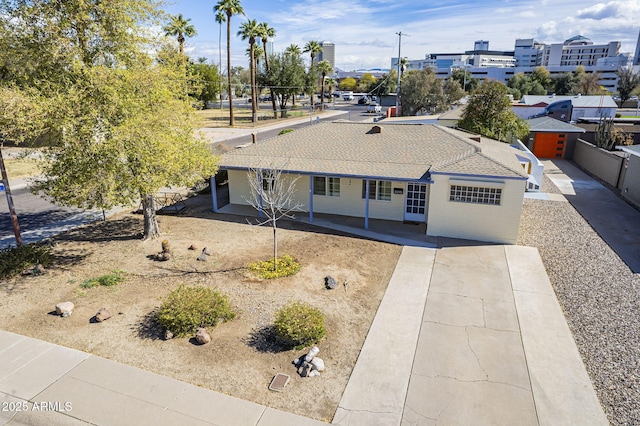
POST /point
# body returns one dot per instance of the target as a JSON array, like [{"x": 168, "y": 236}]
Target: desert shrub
[
  {"x": 299, "y": 324},
  {"x": 285, "y": 266},
  {"x": 285, "y": 131},
  {"x": 13, "y": 260},
  {"x": 189, "y": 307},
  {"x": 108, "y": 280}
]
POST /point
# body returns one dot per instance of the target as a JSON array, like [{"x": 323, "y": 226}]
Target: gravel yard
[{"x": 599, "y": 296}]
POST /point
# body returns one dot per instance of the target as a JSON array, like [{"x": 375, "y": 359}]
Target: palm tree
[
  {"x": 249, "y": 31},
  {"x": 265, "y": 32},
  {"x": 403, "y": 66},
  {"x": 220, "y": 18},
  {"x": 330, "y": 83},
  {"x": 230, "y": 8},
  {"x": 312, "y": 48},
  {"x": 325, "y": 68},
  {"x": 180, "y": 27},
  {"x": 293, "y": 49}
]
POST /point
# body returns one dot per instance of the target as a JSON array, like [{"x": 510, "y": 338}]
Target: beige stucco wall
[
  {"x": 480, "y": 222},
  {"x": 349, "y": 203},
  {"x": 599, "y": 162},
  {"x": 630, "y": 188}
]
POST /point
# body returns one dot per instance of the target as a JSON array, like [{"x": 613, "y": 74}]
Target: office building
[{"x": 328, "y": 53}]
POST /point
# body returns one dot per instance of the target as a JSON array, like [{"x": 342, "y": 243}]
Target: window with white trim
[
  {"x": 323, "y": 185},
  {"x": 475, "y": 194},
  {"x": 378, "y": 190}
]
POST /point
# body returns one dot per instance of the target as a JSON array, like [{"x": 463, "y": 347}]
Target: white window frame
[{"x": 474, "y": 194}]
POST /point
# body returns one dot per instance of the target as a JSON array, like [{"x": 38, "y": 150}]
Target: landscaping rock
[
  {"x": 202, "y": 257},
  {"x": 193, "y": 247},
  {"x": 168, "y": 335},
  {"x": 202, "y": 336},
  {"x": 312, "y": 354},
  {"x": 313, "y": 373},
  {"x": 304, "y": 369},
  {"x": 64, "y": 308},
  {"x": 317, "y": 364},
  {"x": 163, "y": 257},
  {"x": 103, "y": 314},
  {"x": 330, "y": 283},
  {"x": 206, "y": 251}
]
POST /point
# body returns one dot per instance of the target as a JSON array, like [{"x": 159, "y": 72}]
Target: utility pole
[
  {"x": 12, "y": 210},
  {"x": 398, "y": 84}
]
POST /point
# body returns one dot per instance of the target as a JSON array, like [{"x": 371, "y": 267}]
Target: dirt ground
[{"x": 243, "y": 355}]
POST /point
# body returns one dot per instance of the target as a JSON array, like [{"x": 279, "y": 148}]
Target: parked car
[
  {"x": 375, "y": 108},
  {"x": 363, "y": 100}
]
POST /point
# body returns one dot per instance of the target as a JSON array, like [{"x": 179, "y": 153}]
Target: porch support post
[
  {"x": 214, "y": 193},
  {"x": 310, "y": 198},
  {"x": 366, "y": 205}
]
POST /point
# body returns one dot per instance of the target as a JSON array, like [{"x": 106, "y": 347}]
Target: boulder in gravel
[
  {"x": 168, "y": 335},
  {"x": 64, "y": 308},
  {"x": 202, "y": 336},
  {"x": 103, "y": 314},
  {"x": 312, "y": 354},
  {"x": 330, "y": 283}
]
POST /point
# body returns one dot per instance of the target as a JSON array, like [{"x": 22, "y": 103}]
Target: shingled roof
[{"x": 391, "y": 151}]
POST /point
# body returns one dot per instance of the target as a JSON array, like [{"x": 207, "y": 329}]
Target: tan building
[{"x": 461, "y": 186}]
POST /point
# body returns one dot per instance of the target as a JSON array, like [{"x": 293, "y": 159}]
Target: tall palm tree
[
  {"x": 265, "y": 32},
  {"x": 312, "y": 48},
  {"x": 293, "y": 49},
  {"x": 229, "y": 8},
  {"x": 325, "y": 68},
  {"x": 180, "y": 27},
  {"x": 250, "y": 31},
  {"x": 220, "y": 18}
]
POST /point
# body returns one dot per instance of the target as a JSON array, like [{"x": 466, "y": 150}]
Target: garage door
[{"x": 549, "y": 145}]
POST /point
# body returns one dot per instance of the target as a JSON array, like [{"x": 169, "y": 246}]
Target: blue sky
[{"x": 365, "y": 31}]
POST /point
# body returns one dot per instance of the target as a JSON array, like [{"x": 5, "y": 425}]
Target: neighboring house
[
  {"x": 582, "y": 106},
  {"x": 551, "y": 138},
  {"x": 630, "y": 181},
  {"x": 533, "y": 166},
  {"x": 460, "y": 185}
]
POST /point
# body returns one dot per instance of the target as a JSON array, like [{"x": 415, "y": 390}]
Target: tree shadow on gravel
[
  {"x": 148, "y": 327},
  {"x": 264, "y": 340}
]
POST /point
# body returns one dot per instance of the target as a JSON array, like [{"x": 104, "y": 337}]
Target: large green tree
[
  {"x": 628, "y": 81},
  {"x": 119, "y": 124},
  {"x": 287, "y": 78},
  {"x": 489, "y": 113},
  {"x": 423, "y": 92},
  {"x": 180, "y": 28},
  {"x": 521, "y": 84},
  {"x": 229, "y": 8}
]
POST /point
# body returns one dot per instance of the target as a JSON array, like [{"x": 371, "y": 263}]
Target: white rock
[
  {"x": 64, "y": 308},
  {"x": 311, "y": 354},
  {"x": 317, "y": 364}
]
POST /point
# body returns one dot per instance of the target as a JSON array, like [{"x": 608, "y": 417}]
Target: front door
[{"x": 415, "y": 206}]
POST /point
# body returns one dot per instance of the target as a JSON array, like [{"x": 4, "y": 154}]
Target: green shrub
[
  {"x": 189, "y": 307},
  {"x": 108, "y": 280},
  {"x": 285, "y": 266},
  {"x": 299, "y": 324},
  {"x": 14, "y": 260},
  {"x": 285, "y": 131}
]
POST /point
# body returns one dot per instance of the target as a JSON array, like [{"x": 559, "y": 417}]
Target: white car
[{"x": 375, "y": 108}]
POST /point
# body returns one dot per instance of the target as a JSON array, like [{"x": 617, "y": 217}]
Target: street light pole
[{"x": 398, "y": 85}]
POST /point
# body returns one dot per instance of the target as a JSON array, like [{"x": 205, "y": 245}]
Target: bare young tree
[{"x": 273, "y": 196}]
